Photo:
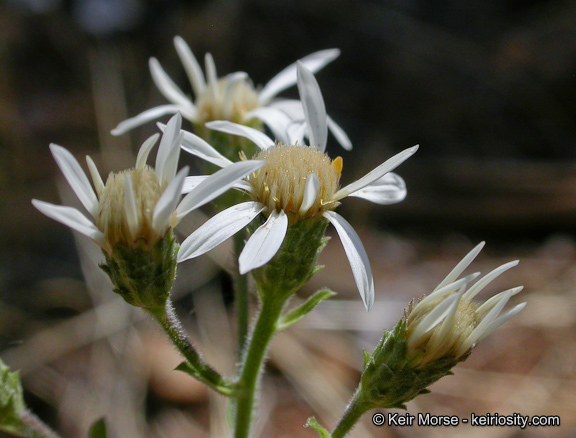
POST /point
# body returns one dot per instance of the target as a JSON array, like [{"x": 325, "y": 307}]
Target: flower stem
[
  {"x": 264, "y": 330},
  {"x": 169, "y": 321},
  {"x": 355, "y": 409},
  {"x": 240, "y": 294}
]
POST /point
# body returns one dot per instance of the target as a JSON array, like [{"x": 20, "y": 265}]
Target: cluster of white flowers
[{"x": 286, "y": 182}]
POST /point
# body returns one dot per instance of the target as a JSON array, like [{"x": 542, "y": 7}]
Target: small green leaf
[
  {"x": 98, "y": 429},
  {"x": 224, "y": 387},
  {"x": 304, "y": 309},
  {"x": 321, "y": 431}
]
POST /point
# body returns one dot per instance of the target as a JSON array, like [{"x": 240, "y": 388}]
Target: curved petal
[
  {"x": 169, "y": 150},
  {"x": 166, "y": 205},
  {"x": 191, "y": 182},
  {"x": 145, "y": 117},
  {"x": 217, "y": 229},
  {"x": 356, "y": 256},
  {"x": 96, "y": 178},
  {"x": 215, "y": 185},
  {"x": 275, "y": 119},
  {"x": 389, "y": 189},
  {"x": 259, "y": 138},
  {"x": 296, "y": 132},
  {"x": 168, "y": 88},
  {"x": 144, "y": 151},
  {"x": 339, "y": 134},
  {"x": 76, "y": 178},
  {"x": 287, "y": 77},
  {"x": 502, "y": 319},
  {"x": 291, "y": 107},
  {"x": 212, "y": 75},
  {"x": 314, "y": 108},
  {"x": 488, "y": 278},
  {"x": 375, "y": 174},
  {"x": 461, "y": 266},
  {"x": 310, "y": 193},
  {"x": 436, "y": 315},
  {"x": 130, "y": 206},
  {"x": 264, "y": 243},
  {"x": 191, "y": 66},
  {"x": 71, "y": 218},
  {"x": 194, "y": 145}
]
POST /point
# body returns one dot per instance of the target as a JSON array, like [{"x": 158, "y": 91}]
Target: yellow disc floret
[
  {"x": 227, "y": 101},
  {"x": 281, "y": 183}
]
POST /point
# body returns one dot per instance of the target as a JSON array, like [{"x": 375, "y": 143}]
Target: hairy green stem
[
  {"x": 240, "y": 294},
  {"x": 355, "y": 409},
  {"x": 249, "y": 379},
  {"x": 169, "y": 321}
]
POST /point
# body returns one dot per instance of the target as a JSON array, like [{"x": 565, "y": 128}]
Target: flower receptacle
[{"x": 143, "y": 274}]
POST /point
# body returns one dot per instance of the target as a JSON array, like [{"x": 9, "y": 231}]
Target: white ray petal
[
  {"x": 480, "y": 329},
  {"x": 144, "y": 151},
  {"x": 448, "y": 289},
  {"x": 191, "y": 66},
  {"x": 72, "y": 218},
  {"x": 356, "y": 256},
  {"x": 484, "y": 281},
  {"x": 167, "y": 87},
  {"x": 259, "y": 138},
  {"x": 169, "y": 150},
  {"x": 191, "y": 182},
  {"x": 386, "y": 190},
  {"x": 147, "y": 116},
  {"x": 130, "y": 206},
  {"x": 339, "y": 134},
  {"x": 296, "y": 132},
  {"x": 314, "y": 108},
  {"x": 96, "y": 178},
  {"x": 275, "y": 119},
  {"x": 376, "y": 174},
  {"x": 215, "y": 185},
  {"x": 218, "y": 229},
  {"x": 194, "y": 145},
  {"x": 490, "y": 303},
  {"x": 310, "y": 193},
  {"x": 436, "y": 315},
  {"x": 76, "y": 178},
  {"x": 291, "y": 107},
  {"x": 212, "y": 75},
  {"x": 461, "y": 266},
  {"x": 287, "y": 77},
  {"x": 166, "y": 205},
  {"x": 264, "y": 243},
  {"x": 501, "y": 320}
]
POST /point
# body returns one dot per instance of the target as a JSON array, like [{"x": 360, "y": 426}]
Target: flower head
[
  {"x": 433, "y": 336},
  {"x": 448, "y": 324},
  {"x": 232, "y": 97},
  {"x": 298, "y": 182},
  {"x": 133, "y": 214}
]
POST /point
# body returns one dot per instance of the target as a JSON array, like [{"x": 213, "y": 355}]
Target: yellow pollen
[
  {"x": 338, "y": 164},
  {"x": 281, "y": 183}
]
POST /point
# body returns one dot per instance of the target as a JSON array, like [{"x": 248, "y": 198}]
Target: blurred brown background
[{"x": 487, "y": 88}]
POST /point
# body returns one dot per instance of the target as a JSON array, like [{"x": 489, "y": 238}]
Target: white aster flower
[
  {"x": 232, "y": 97},
  {"x": 447, "y": 323},
  {"x": 296, "y": 183},
  {"x": 138, "y": 205}
]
